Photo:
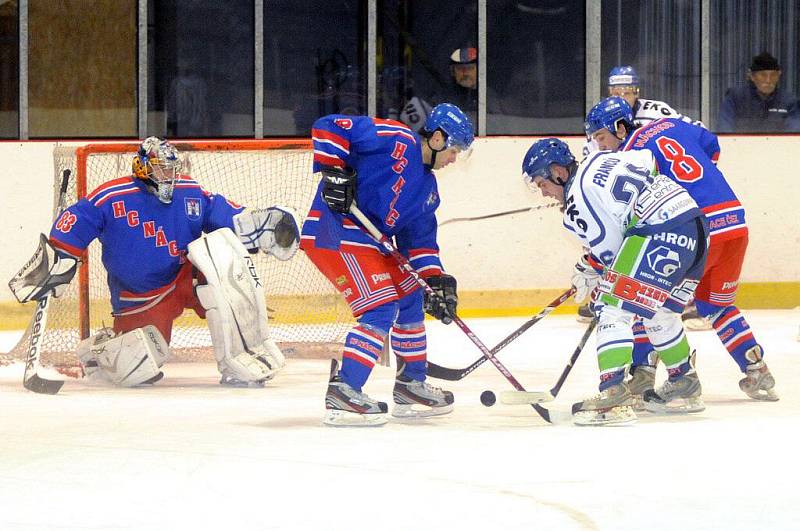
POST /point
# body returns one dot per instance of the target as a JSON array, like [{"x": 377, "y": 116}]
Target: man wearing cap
[{"x": 760, "y": 106}]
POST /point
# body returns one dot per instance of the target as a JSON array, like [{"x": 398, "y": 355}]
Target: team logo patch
[
  {"x": 432, "y": 199},
  {"x": 192, "y": 208}
]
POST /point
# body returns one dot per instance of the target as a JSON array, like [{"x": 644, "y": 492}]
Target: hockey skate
[
  {"x": 229, "y": 379},
  {"x": 416, "y": 399},
  {"x": 643, "y": 378},
  {"x": 758, "y": 382},
  {"x": 681, "y": 395},
  {"x": 611, "y": 407},
  {"x": 347, "y": 407}
]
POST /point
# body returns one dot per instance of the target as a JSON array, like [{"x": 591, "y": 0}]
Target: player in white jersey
[{"x": 647, "y": 242}]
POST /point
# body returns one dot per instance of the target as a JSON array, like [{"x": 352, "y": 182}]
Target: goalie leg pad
[
  {"x": 127, "y": 360},
  {"x": 235, "y": 308}
]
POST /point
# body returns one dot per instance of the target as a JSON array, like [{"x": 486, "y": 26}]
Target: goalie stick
[
  {"x": 447, "y": 373},
  {"x": 406, "y": 266},
  {"x": 32, "y": 379}
]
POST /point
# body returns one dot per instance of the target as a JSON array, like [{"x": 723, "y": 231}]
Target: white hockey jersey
[
  {"x": 615, "y": 194},
  {"x": 647, "y": 111}
]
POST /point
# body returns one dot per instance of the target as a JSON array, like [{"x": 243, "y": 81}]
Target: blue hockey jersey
[
  {"x": 395, "y": 191},
  {"x": 688, "y": 154},
  {"x": 144, "y": 240}
]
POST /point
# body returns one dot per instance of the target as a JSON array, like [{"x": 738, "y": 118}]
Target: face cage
[{"x": 163, "y": 177}]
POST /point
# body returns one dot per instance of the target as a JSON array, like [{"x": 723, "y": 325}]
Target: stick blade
[
  {"x": 37, "y": 384},
  {"x": 524, "y": 398}
]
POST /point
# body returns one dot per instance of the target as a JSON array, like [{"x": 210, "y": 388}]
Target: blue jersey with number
[
  {"x": 144, "y": 240},
  {"x": 395, "y": 190},
  {"x": 688, "y": 154}
]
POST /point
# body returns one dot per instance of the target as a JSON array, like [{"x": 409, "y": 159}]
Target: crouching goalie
[{"x": 168, "y": 244}]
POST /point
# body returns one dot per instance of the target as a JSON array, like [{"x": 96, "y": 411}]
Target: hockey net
[{"x": 308, "y": 318}]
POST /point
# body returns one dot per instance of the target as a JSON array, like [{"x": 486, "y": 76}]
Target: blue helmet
[
  {"x": 623, "y": 75},
  {"x": 607, "y": 114},
  {"x": 542, "y": 154},
  {"x": 453, "y": 123}
]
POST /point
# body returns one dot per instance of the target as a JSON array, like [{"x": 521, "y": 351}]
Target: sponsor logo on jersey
[
  {"x": 663, "y": 260},
  {"x": 680, "y": 240},
  {"x": 380, "y": 277},
  {"x": 192, "y": 206},
  {"x": 341, "y": 280}
]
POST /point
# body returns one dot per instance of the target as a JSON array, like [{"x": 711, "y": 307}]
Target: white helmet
[{"x": 158, "y": 165}]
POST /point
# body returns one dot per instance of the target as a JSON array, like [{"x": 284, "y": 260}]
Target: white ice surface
[{"x": 189, "y": 454}]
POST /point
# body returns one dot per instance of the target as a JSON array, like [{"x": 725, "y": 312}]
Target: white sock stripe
[
  {"x": 738, "y": 336},
  {"x": 367, "y": 359},
  {"x": 734, "y": 315}
]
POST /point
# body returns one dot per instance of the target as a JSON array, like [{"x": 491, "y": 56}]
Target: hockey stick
[
  {"x": 499, "y": 214},
  {"x": 515, "y": 397},
  {"x": 545, "y": 413},
  {"x": 32, "y": 380},
  {"x": 447, "y": 373},
  {"x": 405, "y": 265}
]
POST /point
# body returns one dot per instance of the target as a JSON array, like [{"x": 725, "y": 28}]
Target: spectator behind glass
[
  {"x": 462, "y": 91},
  {"x": 760, "y": 106}
]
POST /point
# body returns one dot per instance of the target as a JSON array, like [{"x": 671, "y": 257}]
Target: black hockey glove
[
  {"x": 339, "y": 188},
  {"x": 442, "y": 303}
]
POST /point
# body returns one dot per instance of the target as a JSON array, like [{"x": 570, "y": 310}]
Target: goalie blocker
[{"x": 46, "y": 271}]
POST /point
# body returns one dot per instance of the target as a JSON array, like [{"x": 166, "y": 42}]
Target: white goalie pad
[
  {"x": 46, "y": 271},
  {"x": 274, "y": 230},
  {"x": 236, "y": 308},
  {"x": 128, "y": 359}
]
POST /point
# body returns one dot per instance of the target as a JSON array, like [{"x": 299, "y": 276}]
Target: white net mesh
[{"x": 307, "y": 316}]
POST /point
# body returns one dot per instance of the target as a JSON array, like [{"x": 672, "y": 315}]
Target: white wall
[{"x": 523, "y": 251}]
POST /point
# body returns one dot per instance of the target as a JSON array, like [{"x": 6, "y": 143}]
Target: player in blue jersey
[
  {"x": 646, "y": 250},
  {"x": 168, "y": 244},
  {"x": 688, "y": 155},
  {"x": 388, "y": 169}
]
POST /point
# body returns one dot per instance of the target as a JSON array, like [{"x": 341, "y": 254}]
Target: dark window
[
  {"x": 201, "y": 68},
  {"x": 416, "y": 65},
  {"x": 314, "y": 62},
  {"x": 747, "y": 29},
  {"x": 9, "y": 69},
  {"x": 661, "y": 41},
  {"x": 81, "y": 68},
  {"x": 535, "y": 77}
]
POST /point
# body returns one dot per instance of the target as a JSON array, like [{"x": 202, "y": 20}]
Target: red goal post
[{"x": 307, "y": 315}]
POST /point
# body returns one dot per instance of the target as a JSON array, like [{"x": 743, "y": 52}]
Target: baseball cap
[
  {"x": 464, "y": 56},
  {"x": 764, "y": 61}
]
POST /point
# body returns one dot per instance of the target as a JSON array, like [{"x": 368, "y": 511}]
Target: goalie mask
[{"x": 158, "y": 165}]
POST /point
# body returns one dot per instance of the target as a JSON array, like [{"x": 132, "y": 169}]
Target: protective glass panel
[
  {"x": 82, "y": 69},
  {"x": 9, "y": 70},
  {"x": 535, "y": 74},
  {"x": 749, "y": 28},
  {"x": 660, "y": 39},
  {"x": 200, "y": 68},
  {"x": 314, "y": 62},
  {"x": 427, "y": 55}
]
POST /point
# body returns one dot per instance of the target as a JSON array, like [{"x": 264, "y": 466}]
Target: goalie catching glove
[
  {"x": 46, "y": 271},
  {"x": 339, "y": 188},
  {"x": 443, "y": 302},
  {"x": 274, "y": 230},
  {"x": 586, "y": 276}
]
